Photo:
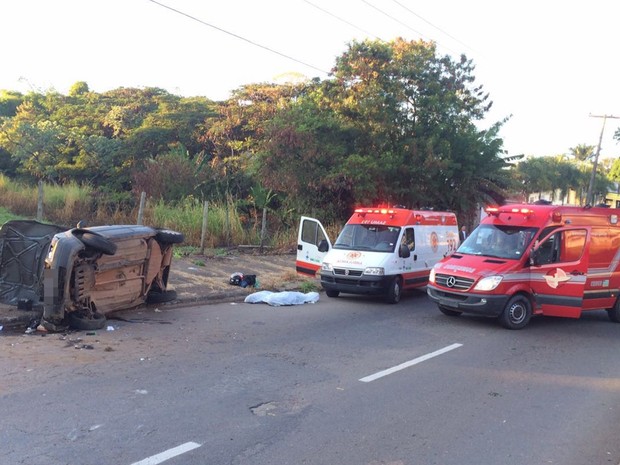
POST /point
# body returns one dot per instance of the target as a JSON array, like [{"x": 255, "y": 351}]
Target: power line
[
  {"x": 204, "y": 23},
  {"x": 341, "y": 19},
  {"x": 404, "y": 24},
  {"x": 394, "y": 19},
  {"x": 431, "y": 24}
]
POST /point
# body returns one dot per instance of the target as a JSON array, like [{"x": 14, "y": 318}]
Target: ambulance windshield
[
  {"x": 498, "y": 241},
  {"x": 377, "y": 238}
]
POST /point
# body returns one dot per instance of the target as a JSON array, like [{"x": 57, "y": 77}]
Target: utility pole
[{"x": 598, "y": 151}]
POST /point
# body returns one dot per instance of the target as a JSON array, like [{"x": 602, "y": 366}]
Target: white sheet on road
[{"x": 277, "y": 299}]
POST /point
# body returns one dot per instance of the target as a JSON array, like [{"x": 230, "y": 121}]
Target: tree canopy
[{"x": 396, "y": 123}]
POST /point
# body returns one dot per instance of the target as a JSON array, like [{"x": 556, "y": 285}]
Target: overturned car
[{"x": 80, "y": 275}]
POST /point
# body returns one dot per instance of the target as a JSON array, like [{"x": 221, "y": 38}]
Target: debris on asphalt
[
  {"x": 33, "y": 325},
  {"x": 84, "y": 346},
  {"x": 243, "y": 280}
]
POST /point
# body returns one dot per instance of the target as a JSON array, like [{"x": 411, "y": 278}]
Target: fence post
[
  {"x": 203, "y": 234},
  {"x": 263, "y": 229},
  {"x": 40, "y": 201},
  {"x": 141, "y": 208}
]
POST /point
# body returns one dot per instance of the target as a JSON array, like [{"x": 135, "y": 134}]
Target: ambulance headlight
[
  {"x": 488, "y": 284},
  {"x": 325, "y": 266},
  {"x": 431, "y": 276},
  {"x": 374, "y": 271}
]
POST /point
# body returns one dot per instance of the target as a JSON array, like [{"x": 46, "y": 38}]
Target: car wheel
[
  {"x": 167, "y": 236},
  {"x": 85, "y": 321},
  {"x": 99, "y": 243},
  {"x": 394, "y": 291},
  {"x": 517, "y": 313},
  {"x": 160, "y": 297},
  {"x": 614, "y": 312},
  {"x": 332, "y": 293},
  {"x": 449, "y": 311}
]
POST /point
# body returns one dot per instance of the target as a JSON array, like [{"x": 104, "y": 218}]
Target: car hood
[
  {"x": 24, "y": 245},
  {"x": 474, "y": 265}
]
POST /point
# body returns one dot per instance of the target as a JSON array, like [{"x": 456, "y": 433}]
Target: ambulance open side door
[
  {"x": 309, "y": 236},
  {"x": 558, "y": 272}
]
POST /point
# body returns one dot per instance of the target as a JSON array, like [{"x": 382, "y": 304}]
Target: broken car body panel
[{"x": 24, "y": 245}]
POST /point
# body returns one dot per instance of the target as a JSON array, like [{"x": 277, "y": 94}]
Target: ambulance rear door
[
  {"x": 309, "y": 236},
  {"x": 559, "y": 270}
]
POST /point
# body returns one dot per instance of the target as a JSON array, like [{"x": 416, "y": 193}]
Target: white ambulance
[{"x": 379, "y": 250}]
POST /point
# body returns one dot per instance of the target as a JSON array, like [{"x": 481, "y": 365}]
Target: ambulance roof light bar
[
  {"x": 380, "y": 211},
  {"x": 495, "y": 211}
]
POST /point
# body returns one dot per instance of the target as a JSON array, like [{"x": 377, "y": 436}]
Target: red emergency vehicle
[{"x": 525, "y": 260}]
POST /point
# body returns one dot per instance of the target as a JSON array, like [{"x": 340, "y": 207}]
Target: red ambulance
[
  {"x": 525, "y": 260},
  {"x": 379, "y": 250}
]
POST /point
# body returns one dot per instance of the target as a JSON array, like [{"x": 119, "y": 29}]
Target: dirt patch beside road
[{"x": 206, "y": 278}]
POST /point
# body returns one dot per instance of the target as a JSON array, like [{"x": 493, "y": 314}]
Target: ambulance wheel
[
  {"x": 332, "y": 293},
  {"x": 517, "y": 313},
  {"x": 448, "y": 311},
  {"x": 394, "y": 290},
  {"x": 614, "y": 312}
]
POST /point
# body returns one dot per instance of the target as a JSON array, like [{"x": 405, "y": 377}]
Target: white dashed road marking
[
  {"x": 408, "y": 364},
  {"x": 168, "y": 454}
]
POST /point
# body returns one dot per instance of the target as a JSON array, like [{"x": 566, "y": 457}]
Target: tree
[
  {"x": 235, "y": 136},
  {"x": 582, "y": 152},
  {"x": 415, "y": 114},
  {"x": 614, "y": 172},
  {"x": 534, "y": 175},
  {"x": 79, "y": 88},
  {"x": 34, "y": 141},
  {"x": 559, "y": 176},
  {"x": 170, "y": 177},
  {"x": 9, "y": 102},
  {"x": 307, "y": 155}
]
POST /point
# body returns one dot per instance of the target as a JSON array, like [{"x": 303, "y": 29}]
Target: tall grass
[
  {"x": 224, "y": 226},
  {"x": 6, "y": 215},
  {"x": 66, "y": 205}
]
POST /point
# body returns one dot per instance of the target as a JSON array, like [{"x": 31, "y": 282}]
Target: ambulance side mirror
[
  {"x": 404, "y": 251},
  {"x": 323, "y": 246},
  {"x": 535, "y": 257}
]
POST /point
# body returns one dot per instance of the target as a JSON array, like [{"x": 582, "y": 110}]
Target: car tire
[
  {"x": 167, "y": 236},
  {"x": 395, "y": 290},
  {"x": 161, "y": 297},
  {"x": 517, "y": 313},
  {"x": 85, "y": 321},
  {"x": 614, "y": 312},
  {"x": 99, "y": 243},
  {"x": 332, "y": 293},
  {"x": 448, "y": 311}
]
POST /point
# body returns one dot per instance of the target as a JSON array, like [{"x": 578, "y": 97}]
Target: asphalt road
[{"x": 350, "y": 381}]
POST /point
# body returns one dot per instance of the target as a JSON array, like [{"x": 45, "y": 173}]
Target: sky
[{"x": 551, "y": 66}]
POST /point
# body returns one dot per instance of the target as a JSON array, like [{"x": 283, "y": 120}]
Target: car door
[
  {"x": 310, "y": 234},
  {"x": 558, "y": 272}
]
